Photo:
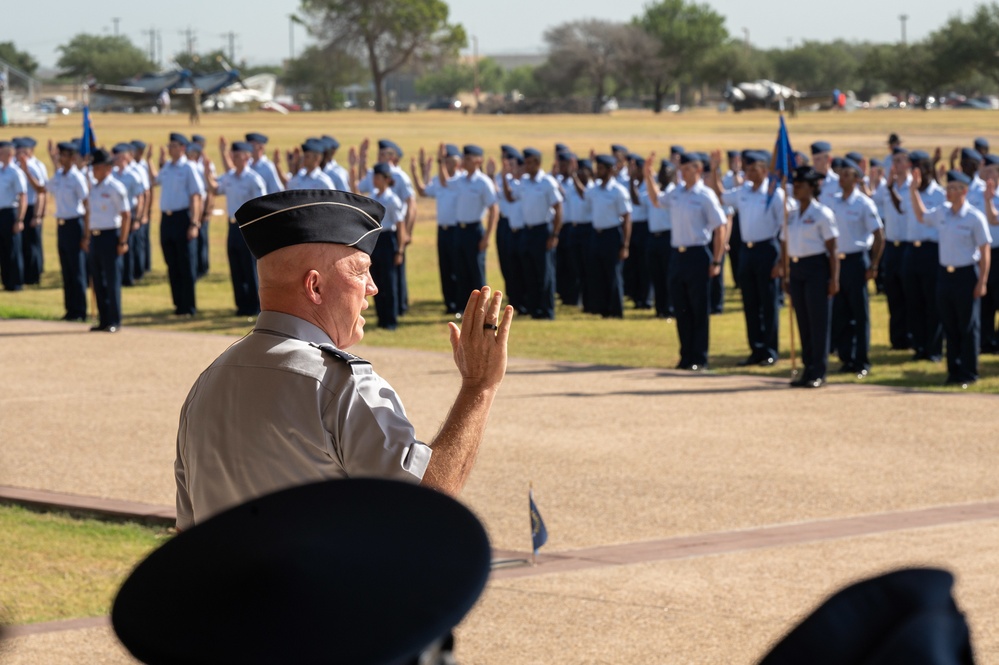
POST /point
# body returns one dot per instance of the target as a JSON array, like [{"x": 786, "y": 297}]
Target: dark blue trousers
[
  {"x": 637, "y": 279},
  {"x": 137, "y": 240},
  {"x": 578, "y": 252},
  {"x": 690, "y": 291},
  {"x": 446, "y": 236},
  {"x": 960, "y": 313},
  {"x": 717, "y": 296},
  {"x": 386, "y": 276},
  {"x": 11, "y": 256},
  {"x": 181, "y": 256},
  {"x": 203, "y": 250},
  {"x": 31, "y": 247},
  {"x": 657, "y": 256},
  {"x": 73, "y": 261},
  {"x": 851, "y": 313},
  {"x": 736, "y": 248},
  {"x": 509, "y": 263},
  {"x": 403, "y": 287},
  {"x": 105, "y": 268},
  {"x": 990, "y": 305},
  {"x": 468, "y": 262},
  {"x": 893, "y": 284},
  {"x": 809, "y": 289},
  {"x": 147, "y": 247},
  {"x": 604, "y": 272},
  {"x": 537, "y": 269},
  {"x": 919, "y": 275},
  {"x": 243, "y": 270},
  {"x": 760, "y": 297}
]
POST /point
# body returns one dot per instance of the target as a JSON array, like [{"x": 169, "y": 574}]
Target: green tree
[
  {"x": 386, "y": 34},
  {"x": 451, "y": 79},
  {"x": 687, "y": 33},
  {"x": 319, "y": 73},
  {"x": 20, "y": 59},
  {"x": 202, "y": 63},
  {"x": 108, "y": 59},
  {"x": 962, "y": 46},
  {"x": 524, "y": 80}
]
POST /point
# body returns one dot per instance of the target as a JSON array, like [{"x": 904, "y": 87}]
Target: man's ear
[{"x": 313, "y": 284}]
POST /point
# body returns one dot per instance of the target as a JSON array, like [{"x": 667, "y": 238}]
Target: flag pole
[
  {"x": 534, "y": 552},
  {"x": 787, "y": 278}
]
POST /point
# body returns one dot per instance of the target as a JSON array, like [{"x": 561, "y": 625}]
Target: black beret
[
  {"x": 360, "y": 571},
  {"x": 302, "y": 216},
  {"x": 606, "y": 160},
  {"x": 821, "y": 146},
  {"x": 99, "y": 156},
  {"x": 178, "y": 138},
  {"x": 255, "y": 137},
  {"x": 972, "y": 154},
  {"x": 807, "y": 174},
  {"x": 956, "y": 176}
]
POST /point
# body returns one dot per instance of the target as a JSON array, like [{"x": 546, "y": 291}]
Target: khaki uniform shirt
[{"x": 284, "y": 407}]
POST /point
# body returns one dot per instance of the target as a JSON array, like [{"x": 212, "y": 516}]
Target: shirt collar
[{"x": 292, "y": 326}]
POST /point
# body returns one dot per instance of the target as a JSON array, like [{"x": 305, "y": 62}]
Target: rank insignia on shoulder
[{"x": 348, "y": 358}]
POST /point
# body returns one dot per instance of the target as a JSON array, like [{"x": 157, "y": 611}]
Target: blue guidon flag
[
  {"x": 783, "y": 162},
  {"x": 87, "y": 140},
  {"x": 539, "y": 534}
]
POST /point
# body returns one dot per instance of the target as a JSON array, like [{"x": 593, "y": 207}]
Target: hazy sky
[{"x": 510, "y": 26}]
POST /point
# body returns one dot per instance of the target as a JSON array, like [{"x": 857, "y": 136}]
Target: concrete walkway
[{"x": 692, "y": 519}]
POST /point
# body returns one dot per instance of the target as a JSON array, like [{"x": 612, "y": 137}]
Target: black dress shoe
[
  {"x": 98, "y": 328},
  {"x": 847, "y": 368},
  {"x": 751, "y": 360},
  {"x": 682, "y": 365},
  {"x": 814, "y": 383},
  {"x": 698, "y": 368},
  {"x": 766, "y": 362},
  {"x": 798, "y": 383},
  {"x": 111, "y": 329},
  {"x": 862, "y": 373}
]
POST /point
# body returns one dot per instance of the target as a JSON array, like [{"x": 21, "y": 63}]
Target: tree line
[{"x": 673, "y": 50}]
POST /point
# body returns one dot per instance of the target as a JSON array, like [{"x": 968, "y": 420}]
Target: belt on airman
[
  {"x": 168, "y": 213},
  {"x": 606, "y": 228},
  {"x": 843, "y": 256},
  {"x": 468, "y": 225},
  {"x": 753, "y": 243},
  {"x": 97, "y": 232},
  {"x": 60, "y": 221},
  {"x": 953, "y": 269},
  {"x": 797, "y": 259},
  {"x": 925, "y": 243},
  {"x": 683, "y": 248}
]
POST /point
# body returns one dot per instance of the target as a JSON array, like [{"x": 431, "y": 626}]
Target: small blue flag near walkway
[
  {"x": 539, "y": 534},
  {"x": 783, "y": 163}
]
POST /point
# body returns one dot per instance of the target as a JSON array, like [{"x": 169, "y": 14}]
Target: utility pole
[
  {"x": 903, "y": 18},
  {"x": 745, "y": 31},
  {"x": 231, "y": 38},
  {"x": 190, "y": 38},
  {"x": 475, "y": 67},
  {"x": 115, "y": 21},
  {"x": 152, "y": 43}
]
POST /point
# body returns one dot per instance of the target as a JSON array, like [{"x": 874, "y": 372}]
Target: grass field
[
  {"x": 638, "y": 340},
  {"x": 55, "y": 566}
]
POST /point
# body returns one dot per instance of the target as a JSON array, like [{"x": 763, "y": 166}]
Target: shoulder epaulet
[{"x": 340, "y": 354}]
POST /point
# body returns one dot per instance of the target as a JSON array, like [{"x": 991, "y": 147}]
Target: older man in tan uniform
[{"x": 287, "y": 405}]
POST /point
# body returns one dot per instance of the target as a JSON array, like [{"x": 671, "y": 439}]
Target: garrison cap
[
  {"x": 956, "y": 176},
  {"x": 99, "y": 156},
  {"x": 386, "y": 144},
  {"x": 516, "y": 154},
  {"x": 617, "y": 147},
  {"x": 331, "y": 143},
  {"x": 25, "y": 142},
  {"x": 532, "y": 152},
  {"x": 275, "y": 580},
  {"x": 606, "y": 160},
  {"x": 676, "y": 150},
  {"x": 452, "y": 150},
  {"x": 198, "y": 138},
  {"x": 256, "y": 137},
  {"x": 851, "y": 165},
  {"x": 688, "y": 157},
  {"x": 314, "y": 145},
  {"x": 382, "y": 168},
  {"x": 561, "y": 147},
  {"x": 855, "y": 156},
  {"x": 508, "y": 149},
  {"x": 838, "y": 162},
  {"x": 472, "y": 150},
  {"x": 800, "y": 158},
  {"x": 139, "y": 145},
  {"x": 876, "y": 162},
  {"x": 732, "y": 154},
  {"x": 176, "y": 137},
  {"x": 193, "y": 147},
  {"x": 585, "y": 164},
  {"x": 639, "y": 161},
  {"x": 302, "y": 216},
  {"x": 991, "y": 159},
  {"x": 821, "y": 146},
  {"x": 899, "y": 150},
  {"x": 6, "y": 144},
  {"x": 67, "y": 146},
  {"x": 919, "y": 156},
  {"x": 241, "y": 146},
  {"x": 971, "y": 154},
  {"x": 981, "y": 142},
  {"x": 566, "y": 156},
  {"x": 122, "y": 147},
  {"x": 807, "y": 174},
  {"x": 665, "y": 163},
  {"x": 751, "y": 157}
]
